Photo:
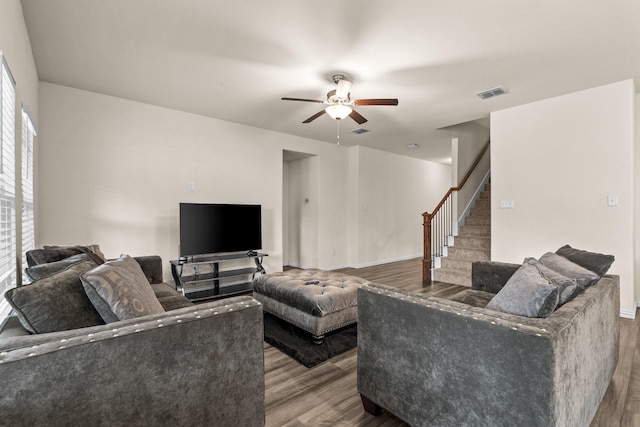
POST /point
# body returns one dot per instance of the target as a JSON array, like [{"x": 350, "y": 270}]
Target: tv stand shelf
[{"x": 199, "y": 277}]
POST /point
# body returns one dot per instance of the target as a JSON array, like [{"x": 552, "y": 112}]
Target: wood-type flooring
[{"x": 326, "y": 395}]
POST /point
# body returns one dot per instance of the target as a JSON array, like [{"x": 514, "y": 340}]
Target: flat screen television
[{"x": 207, "y": 228}]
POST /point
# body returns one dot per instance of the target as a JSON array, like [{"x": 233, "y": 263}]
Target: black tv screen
[{"x": 216, "y": 228}]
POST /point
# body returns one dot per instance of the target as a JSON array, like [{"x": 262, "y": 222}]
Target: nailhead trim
[
  {"x": 472, "y": 312},
  {"x": 64, "y": 343}
]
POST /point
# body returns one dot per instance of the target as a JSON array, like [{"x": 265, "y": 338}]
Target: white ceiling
[{"x": 235, "y": 59}]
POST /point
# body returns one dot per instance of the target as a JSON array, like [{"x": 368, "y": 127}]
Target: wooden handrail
[{"x": 428, "y": 217}]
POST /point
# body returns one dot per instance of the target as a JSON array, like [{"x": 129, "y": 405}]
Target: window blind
[
  {"x": 7, "y": 184},
  {"x": 28, "y": 223}
]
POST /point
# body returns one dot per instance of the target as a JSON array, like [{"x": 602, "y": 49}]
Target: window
[
  {"x": 7, "y": 184},
  {"x": 28, "y": 224}
]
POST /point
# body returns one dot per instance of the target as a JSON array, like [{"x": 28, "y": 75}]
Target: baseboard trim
[
  {"x": 386, "y": 261},
  {"x": 335, "y": 267},
  {"x": 628, "y": 314},
  {"x": 366, "y": 264}
]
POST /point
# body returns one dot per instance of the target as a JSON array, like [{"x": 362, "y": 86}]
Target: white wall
[
  {"x": 558, "y": 159},
  {"x": 393, "y": 192},
  {"x": 113, "y": 172}
]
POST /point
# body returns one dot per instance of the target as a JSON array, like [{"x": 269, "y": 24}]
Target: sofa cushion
[
  {"x": 473, "y": 297},
  {"x": 57, "y": 302},
  {"x": 119, "y": 290},
  {"x": 567, "y": 287},
  {"x": 526, "y": 293},
  {"x": 598, "y": 263},
  {"x": 562, "y": 265},
  {"x": 169, "y": 298},
  {"x": 41, "y": 271},
  {"x": 49, "y": 254}
]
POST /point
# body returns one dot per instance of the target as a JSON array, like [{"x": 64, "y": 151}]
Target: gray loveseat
[
  {"x": 437, "y": 362},
  {"x": 191, "y": 365}
]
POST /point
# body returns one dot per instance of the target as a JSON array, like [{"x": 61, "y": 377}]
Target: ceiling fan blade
[
  {"x": 379, "y": 101},
  {"x": 357, "y": 117},
  {"x": 344, "y": 86},
  {"x": 302, "y": 99},
  {"x": 315, "y": 116}
]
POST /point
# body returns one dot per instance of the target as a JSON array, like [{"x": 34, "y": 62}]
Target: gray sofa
[
  {"x": 191, "y": 365},
  {"x": 440, "y": 362}
]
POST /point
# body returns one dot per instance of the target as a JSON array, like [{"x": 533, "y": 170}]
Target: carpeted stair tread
[
  {"x": 473, "y": 242},
  {"x": 468, "y": 254},
  {"x": 478, "y": 221},
  {"x": 475, "y": 230},
  {"x": 456, "y": 264},
  {"x": 455, "y": 277}
]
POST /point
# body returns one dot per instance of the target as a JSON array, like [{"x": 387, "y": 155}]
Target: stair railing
[{"x": 438, "y": 224}]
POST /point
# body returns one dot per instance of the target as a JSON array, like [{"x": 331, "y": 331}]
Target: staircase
[{"x": 473, "y": 243}]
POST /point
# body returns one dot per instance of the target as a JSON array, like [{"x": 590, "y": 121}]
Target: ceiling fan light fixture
[{"x": 338, "y": 111}]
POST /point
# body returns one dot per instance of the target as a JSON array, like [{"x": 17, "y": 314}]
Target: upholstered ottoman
[{"x": 317, "y": 301}]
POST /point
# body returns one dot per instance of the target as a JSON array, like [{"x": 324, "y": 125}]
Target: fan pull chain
[{"x": 338, "y": 137}]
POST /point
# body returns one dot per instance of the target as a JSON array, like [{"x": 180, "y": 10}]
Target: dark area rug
[{"x": 298, "y": 344}]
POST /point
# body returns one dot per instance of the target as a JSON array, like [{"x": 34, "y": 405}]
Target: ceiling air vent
[
  {"x": 486, "y": 94},
  {"x": 360, "y": 130}
]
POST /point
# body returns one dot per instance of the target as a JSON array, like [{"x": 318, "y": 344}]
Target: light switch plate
[
  {"x": 506, "y": 204},
  {"x": 612, "y": 200}
]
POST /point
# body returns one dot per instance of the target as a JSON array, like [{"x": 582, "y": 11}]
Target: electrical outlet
[{"x": 191, "y": 186}]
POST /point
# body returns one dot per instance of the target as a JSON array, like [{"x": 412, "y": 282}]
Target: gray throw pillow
[
  {"x": 49, "y": 254},
  {"x": 562, "y": 265},
  {"x": 93, "y": 248},
  {"x": 526, "y": 293},
  {"x": 57, "y": 302},
  {"x": 119, "y": 290},
  {"x": 567, "y": 287},
  {"x": 41, "y": 271},
  {"x": 598, "y": 263}
]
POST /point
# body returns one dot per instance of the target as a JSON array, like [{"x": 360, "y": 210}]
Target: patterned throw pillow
[
  {"x": 119, "y": 290},
  {"x": 57, "y": 302}
]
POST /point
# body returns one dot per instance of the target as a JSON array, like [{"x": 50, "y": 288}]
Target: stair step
[
  {"x": 472, "y": 242},
  {"x": 452, "y": 276},
  {"x": 449, "y": 263},
  {"x": 470, "y": 254},
  {"x": 476, "y": 221},
  {"x": 475, "y": 230},
  {"x": 480, "y": 210}
]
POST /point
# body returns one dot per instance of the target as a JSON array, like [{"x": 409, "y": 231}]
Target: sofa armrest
[
  {"x": 200, "y": 365},
  {"x": 491, "y": 276},
  {"x": 152, "y": 267}
]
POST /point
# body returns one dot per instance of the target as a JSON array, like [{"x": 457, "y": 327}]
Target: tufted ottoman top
[{"x": 317, "y": 292}]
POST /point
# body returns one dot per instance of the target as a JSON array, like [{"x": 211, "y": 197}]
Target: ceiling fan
[{"x": 339, "y": 102}]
